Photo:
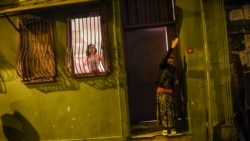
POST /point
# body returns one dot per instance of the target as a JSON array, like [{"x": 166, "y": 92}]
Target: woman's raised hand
[{"x": 175, "y": 42}]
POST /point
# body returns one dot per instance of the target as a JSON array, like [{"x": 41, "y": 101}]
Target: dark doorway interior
[{"x": 144, "y": 50}]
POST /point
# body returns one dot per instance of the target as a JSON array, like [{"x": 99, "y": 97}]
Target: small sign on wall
[{"x": 190, "y": 50}]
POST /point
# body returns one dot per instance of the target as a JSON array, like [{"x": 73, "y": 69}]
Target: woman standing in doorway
[{"x": 166, "y": 112}]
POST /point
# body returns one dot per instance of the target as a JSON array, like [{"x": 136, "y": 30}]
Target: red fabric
[{"x": 164, "y": 90}]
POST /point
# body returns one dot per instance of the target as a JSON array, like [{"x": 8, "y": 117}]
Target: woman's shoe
[
  {"x": 164, "y": 132},
  {"x": 173, "y": 131}
]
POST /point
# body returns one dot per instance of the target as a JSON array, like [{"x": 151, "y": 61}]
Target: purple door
[{"x": 144, "y": 49}]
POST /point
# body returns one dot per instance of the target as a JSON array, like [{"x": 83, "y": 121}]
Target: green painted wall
[
  {"x": 202, "y": 27},
  {"x": 91, "y": 108},
  {"x": 191, "y": 36},
  {"x": 219, "y": 80},
  {"x": 95, "y": 108}
]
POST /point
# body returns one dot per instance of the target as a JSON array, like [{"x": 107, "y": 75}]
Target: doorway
[{"x": 144, "y": 49}]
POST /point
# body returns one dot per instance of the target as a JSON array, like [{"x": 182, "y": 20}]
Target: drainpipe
[
  {"x": 207, "y": 68},
  {"x": 224, "y": 41},
  {"x": 47, "y": 4}
]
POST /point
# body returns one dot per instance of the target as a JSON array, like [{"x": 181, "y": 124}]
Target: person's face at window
[{"x": 92, "y": 49}]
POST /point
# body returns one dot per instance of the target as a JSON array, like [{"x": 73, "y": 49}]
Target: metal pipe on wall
[
  {"x": 207, "y": 61},
  {"x": 224, "y": 41},
  {"x": 47, "y": 4}
]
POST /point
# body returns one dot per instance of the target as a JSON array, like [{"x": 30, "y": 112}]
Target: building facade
[{"x": 64, "y": 102}]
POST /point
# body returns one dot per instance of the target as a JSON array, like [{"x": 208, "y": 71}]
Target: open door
[{"x": 144, "y": 49}]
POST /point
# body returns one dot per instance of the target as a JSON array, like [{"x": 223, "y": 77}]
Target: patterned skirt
[{"x": 166, "y": 111}]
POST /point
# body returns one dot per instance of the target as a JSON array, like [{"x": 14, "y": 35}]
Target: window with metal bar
[
  {"x": 87, "y": 44},
  {"x": 35, "y": 59}
]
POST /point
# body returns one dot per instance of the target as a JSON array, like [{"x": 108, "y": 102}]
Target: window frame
[
  {"x": 35, "y": 57},
  {"x": 102, "y": 48}
]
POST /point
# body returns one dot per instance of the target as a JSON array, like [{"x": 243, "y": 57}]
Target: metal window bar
[
  {"x": 84, "y": 30},
  {"x": 35, "y": 59}
]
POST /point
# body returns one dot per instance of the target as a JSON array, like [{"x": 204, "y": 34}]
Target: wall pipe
[
  {"x": 224, "y": 40},
  {"x": 207, "y": 62},
  {"x": 43, "y": 5},
  {"x": 34, "y": 6}
]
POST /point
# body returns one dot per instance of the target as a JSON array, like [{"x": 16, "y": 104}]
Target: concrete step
[
  {"x": 149, "y": 131},
  {"x": 157, "y": 136}
]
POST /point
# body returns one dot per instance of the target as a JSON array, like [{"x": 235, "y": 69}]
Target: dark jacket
[{"x": 166, "y": 74}]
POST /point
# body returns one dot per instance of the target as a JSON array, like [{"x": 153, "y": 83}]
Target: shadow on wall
[
  {"x": 17, "y": 128},
  {"x": 8, "y": 73},
  {"x": 2, "y": 86},
  {"x": 62, "y": 83}
]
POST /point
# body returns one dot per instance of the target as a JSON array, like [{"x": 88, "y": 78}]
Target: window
[
  {"x": 87, "y": 44},
  {"x": 35, "y": 59}
]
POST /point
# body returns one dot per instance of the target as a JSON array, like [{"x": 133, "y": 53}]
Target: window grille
[
  {"x": 87, "y": 44},
  {"x": 35, "y": 59}
]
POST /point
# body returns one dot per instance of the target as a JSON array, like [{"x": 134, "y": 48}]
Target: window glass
[{"x": 87, "y": 44}]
